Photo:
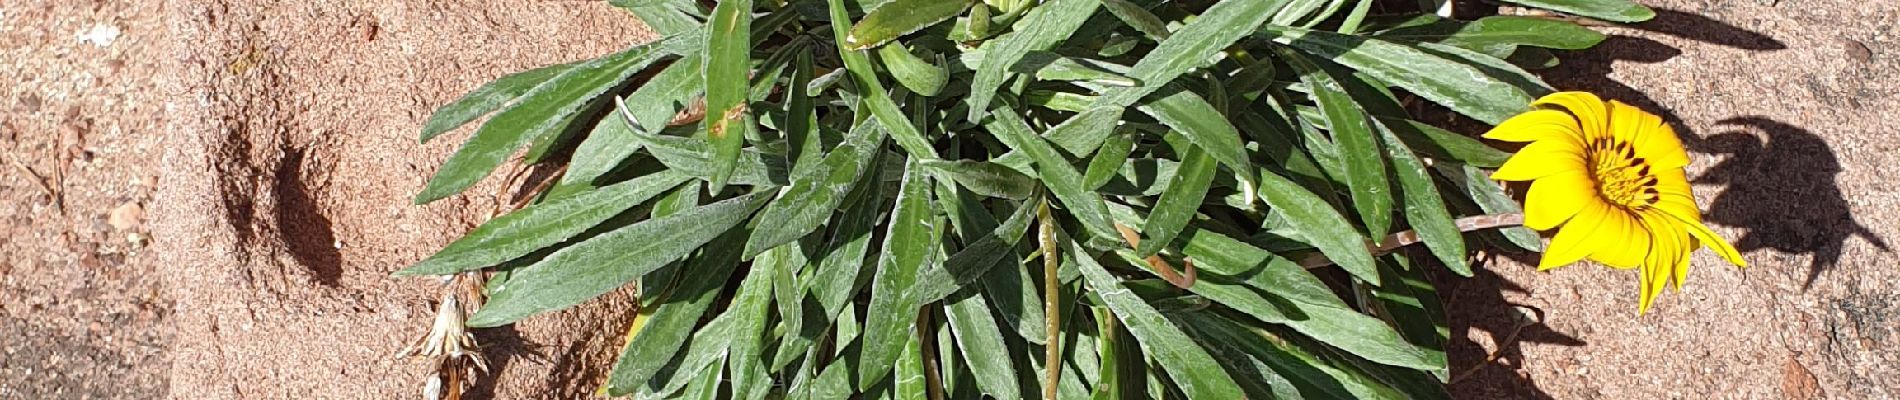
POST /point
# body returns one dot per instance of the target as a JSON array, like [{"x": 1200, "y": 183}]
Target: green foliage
[{"x": 851, "y": 214}]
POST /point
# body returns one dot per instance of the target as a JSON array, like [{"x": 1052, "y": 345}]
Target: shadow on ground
[{"x": 1478, "y": 373}]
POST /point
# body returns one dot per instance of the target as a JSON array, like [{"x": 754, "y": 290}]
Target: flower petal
[
  {"x": 1536, "y": 125},
  {"x": 1669, "y": 248},
  {"x": 1623, "y": 242},
  {"x": 1716, "y": 243},
  {"x": 1654, "y": 139},
  {"x": 1555, "y": 198},
  {"x": 1542, "y": 158},
  {"x": 1588, "y": 108},
  {"x": 1572, "y": 241}
]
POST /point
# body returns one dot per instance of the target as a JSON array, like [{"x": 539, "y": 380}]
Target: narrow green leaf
[
  {"x": 1609, "y": 10},
  {"x": 1005, "y": 283},
  {"x": 705, "y": 385},
  {"x": 1139, "y": 18},
  {"x": 539, "y": 112},
  {"x": 1180, "y": 202},
  {"x": 909, "y": 244},
  {"x": 587, "y": 269},
  {"x": 898, "y": 18},
  {"x": 813, "y": 197},
  {"x": 804, "y": 147},
  {"x": 1061, "y": 178},
  {"x": 645, "y": 111},
  {"x": 707, "y": 350},
  {"x": 488, "y": 98},
  {"x": 1412, "y": 306},
  {"x": 1498, "y": 35},
  {"x": 1322, "y": 226},
  {"x": 981, "y": 342},
  {"x": 920, "y": 76},
  {"x": 1425, "y": 208},
  {"x": 666, "y": 332},
  {"x": 1054, "y": 67},
  {"x": 974, "y": 260},
  {"x": 727, "y": 72},
  {"x": 1198, "y": 375},
  {"x": 985, "y": 178},
  {"x": 876, "y": 98},
  {"x": 1193, "y": 46},
  {"x": 1082, "y": 133},
  {"x": 1357, "y": 144},
  {"x": 834, "y": 282},
  {"x": 911, "y": 383},
  {"x": 1327, "y": 318},
  {"x": 1194, "y": 117},
  {"x": 750, "y": 305},
  {"x": 1040, "y": 29},
  {"x": 1463, "y": 88},
  {"x": 693, "y": 157},
  {"x": 540, "y": 225},
  {"x": 1108, "y": 160},
  {"x": 1257, "y": 351}
]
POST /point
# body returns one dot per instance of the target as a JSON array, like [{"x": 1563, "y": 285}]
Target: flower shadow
[{"x": 1781, "y": 187}]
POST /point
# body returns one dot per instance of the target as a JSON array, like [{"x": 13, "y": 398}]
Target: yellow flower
[{"x": 1608, "y": 177}]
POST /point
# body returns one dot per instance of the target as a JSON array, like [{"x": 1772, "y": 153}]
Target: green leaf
[
  {"x": 1412, "y": 305},
  {"x": 1321, "y": 225},
  {"x": 1081, "y": 134},
  {"x": 985, "y": 178},
  {"x": 834, "y": 282},
  {"x": 693, "y": 157},
  {"x": 727, "y": 71},
  {"x": 705, "y": 385},
  {"x": 1327, "y": 318},
  {"x": 666, "y": 332},
  {"x": 1425, "y": 207},
  {"x": 1139, "y": 18},
  {"x": 1198, "y": 375},
  {"x": 1461, "y": 87},
  {"x": 488, "y": 98},
  {"x": 875, "y": 97},
  {"x": 1040, "y": 29},
  {"x": 1193, "y": 46},
  {"x": 1204, "y": 125},
  {"x": 911, "y": 383},
  {"x": 750, "y": 307},
  {"x": 982, "y": 343},
  {"x": 814, "y": 196},
  {"x": 898, "y": 18},
  {"x": 1108, "y": 160},
  {"x": 650, "y": 108},
  {"x": 974, "y": 260},
  {"x": 910, "y": 241},
  {"x": 537, "y": 226},
  {"x": 587, "y": 269},
  {"x": 1609, "y": 10},
  {"x": 1498, "y": 35},
  {"x": 1061, "y": 178},
  {"x": 1054, "y": 67},
  {"x": 1180, "y": 202},
  {"x": 1259, "y": 352},
  {"x": 539, "y": 112},
  {"x": 1357, "y": 144},
  {"x": 922, "y": 77},
  {"x": 1005, "y": 283}
]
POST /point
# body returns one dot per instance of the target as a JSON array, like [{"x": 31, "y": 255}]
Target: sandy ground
[{"x": 207, "y": 204}]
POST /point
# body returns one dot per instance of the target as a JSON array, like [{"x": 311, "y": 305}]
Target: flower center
[{"x": 1621, "y": 176}]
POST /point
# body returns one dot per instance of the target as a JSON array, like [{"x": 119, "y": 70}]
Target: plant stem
[
  {"x": 1052, "y": 309},
  {"x": 1407, "y": 238}
]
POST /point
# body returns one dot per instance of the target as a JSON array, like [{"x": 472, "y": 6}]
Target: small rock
[
  {"x": 1857, "y": 51},
  {"x": 101, "y": 35},
  {"x": 1797, "y": 383},
  {"x": 30, "y": 103},
  {"x": 127, "y": 217}
]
